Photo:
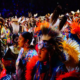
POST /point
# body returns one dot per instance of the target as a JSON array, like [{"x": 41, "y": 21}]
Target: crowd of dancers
[{"x": 40, "y": 47}]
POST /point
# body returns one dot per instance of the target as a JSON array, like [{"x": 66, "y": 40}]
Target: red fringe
[{"x": 29, "y": 67}]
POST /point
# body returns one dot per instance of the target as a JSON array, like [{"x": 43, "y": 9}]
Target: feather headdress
[{"x": 71, "y": 48}]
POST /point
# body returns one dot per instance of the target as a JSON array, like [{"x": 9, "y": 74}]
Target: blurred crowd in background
[{"x": 11, "y": 8}]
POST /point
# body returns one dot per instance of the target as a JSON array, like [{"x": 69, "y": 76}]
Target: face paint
[{"x": 42, "y": 44}]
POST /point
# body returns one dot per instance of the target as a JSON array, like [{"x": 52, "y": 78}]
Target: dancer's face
[
  {"x": 21, "y": 41},
  {"x": 43, "y": 54}
]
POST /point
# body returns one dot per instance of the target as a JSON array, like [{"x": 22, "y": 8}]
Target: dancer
[
  {"x": 25, "y": 54},
  {"x": 49, "y": 63}
]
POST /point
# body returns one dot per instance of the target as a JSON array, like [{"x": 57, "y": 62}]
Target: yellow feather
[{"x": 71, "y": 50}]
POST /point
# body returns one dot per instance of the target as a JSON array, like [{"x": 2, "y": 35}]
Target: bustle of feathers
[{"x": 71, "y": 48}]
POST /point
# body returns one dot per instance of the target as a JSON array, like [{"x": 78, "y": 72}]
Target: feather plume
[
  {"x": 41, "y": 25},
  {"x": 75, "y": 27}
]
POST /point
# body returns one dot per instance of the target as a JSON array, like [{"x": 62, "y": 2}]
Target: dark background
[{"x": 9, "y": 8}]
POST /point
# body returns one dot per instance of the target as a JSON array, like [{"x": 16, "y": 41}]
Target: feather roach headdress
[{"x": 49, "y": 36}]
